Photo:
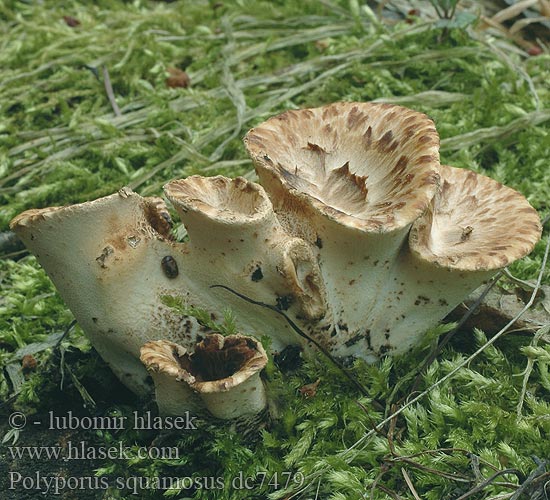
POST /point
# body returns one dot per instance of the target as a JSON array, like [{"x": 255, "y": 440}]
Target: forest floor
[{"x": 96, "y": 96}]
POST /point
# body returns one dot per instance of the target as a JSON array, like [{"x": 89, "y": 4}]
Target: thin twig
[
  {"x": 409, "y": 484},
  {"x": 302, "y": 334},
  {"x": 525, "y": 284},
  {"x": 453, "y": 477},
  {"x": 389, "y": 492},
  {"x": 487, "y": 482},
  {"x": 109, "y": 90},
  {"x": 65, "y": 333},
  {"x": 533, "y": 477}
]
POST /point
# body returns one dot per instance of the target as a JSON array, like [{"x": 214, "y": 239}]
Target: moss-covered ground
[{"x": 479, "y": 434}]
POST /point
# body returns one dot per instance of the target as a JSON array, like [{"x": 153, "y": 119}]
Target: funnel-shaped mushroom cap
[
  {"x": 220, "y": 198},
  {"x": 372, "y": 167},
  {"x": 223, "y": 371},
  {"x": 221, "y": 363},
  {"x": 161, "y": 356},
  {"x": 475, "y": 224}
]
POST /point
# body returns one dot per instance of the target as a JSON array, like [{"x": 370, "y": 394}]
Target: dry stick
[
  {"x": 464, "y": 363},
  {"x": 487, "y": 482},
  {"x": 459, "y": 478},
  {"x": 109, "y": 90},
  {"x": 389, "y": 492},
  {"x": 537, "y": 473}
]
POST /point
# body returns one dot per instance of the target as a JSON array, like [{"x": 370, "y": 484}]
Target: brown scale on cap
[
  {"x": 369, "y": 166},
  {"x": 475, "y": 224}
]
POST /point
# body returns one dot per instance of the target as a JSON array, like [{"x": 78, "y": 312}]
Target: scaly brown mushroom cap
[
  {"x": 219, "y": 198},
  {"x": 475, "y": 224},
  {"x": 372, "y": 167}
]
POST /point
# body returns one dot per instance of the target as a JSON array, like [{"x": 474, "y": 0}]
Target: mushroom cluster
[{"x": 356, "y": 237}]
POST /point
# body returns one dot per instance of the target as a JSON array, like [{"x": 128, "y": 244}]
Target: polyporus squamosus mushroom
[
  {"x": 222, "y": 375},
  {"x": 330, "y": 247},
  {"x": 473, "y": 227},
  {"x": 112, "y": 259},
  {"x": 353, "y": 178}
]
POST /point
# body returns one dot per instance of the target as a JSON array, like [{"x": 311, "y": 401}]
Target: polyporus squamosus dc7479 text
[{"x": 363, "y": 240}]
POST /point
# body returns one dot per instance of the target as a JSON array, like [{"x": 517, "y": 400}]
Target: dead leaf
[
  {"x": 28, "y": 363},
  {"x": 71, "y": 21},
  {"x": 177, "y": 78},
  {"x": 535, "y": 51},
  {"x": 310, "y": 390}
]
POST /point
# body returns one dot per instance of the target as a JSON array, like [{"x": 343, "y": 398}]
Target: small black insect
[
  {"x": 169, "y": 267},
  {"x": 319, "y": 242}
]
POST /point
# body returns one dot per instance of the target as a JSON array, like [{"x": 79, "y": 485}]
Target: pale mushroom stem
[
  {"x": 232, "y": 222},
  {"x": 474, "y": 227},
  {"x": 356, "y": 266},
  {"x": 222, "y": 372},
  {"x": 350, "y": 178},
  {"x": 91, "y": 252}
]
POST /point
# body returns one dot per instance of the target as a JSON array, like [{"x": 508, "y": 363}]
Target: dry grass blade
[
  {"x": 410, "y": 484},
  {"x": 433, "y": 98},
  {"x": 234, "y": 92},
  {"x": 522, "y": 23},
  {"x": 513, "y": 10},
  {"x": 109, "y": 90},
  {"x": 492, "y": 133}
]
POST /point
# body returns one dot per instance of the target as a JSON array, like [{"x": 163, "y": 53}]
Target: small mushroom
[{"x": 224, "y": 372}]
